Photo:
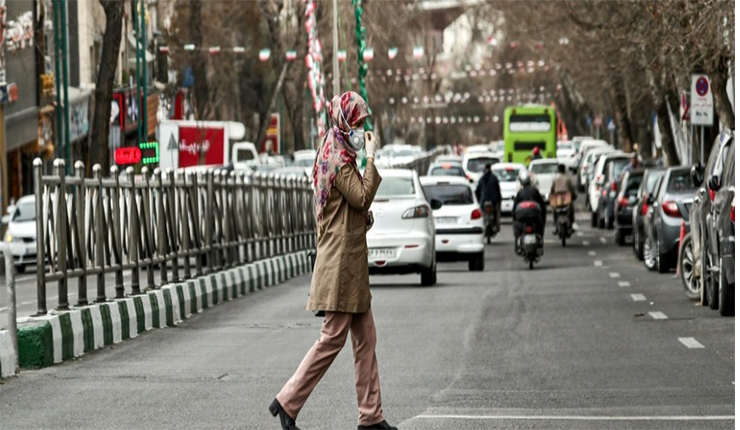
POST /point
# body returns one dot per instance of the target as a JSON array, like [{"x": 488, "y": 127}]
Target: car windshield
[
  {"x": 633, "y": 185},
  {"x": 25, "y": 212},
  {"x": 544, "y": 168},
  {"x": 477, "y": 165},
  {"x": 447, "y": 170},
  {"x": 396, "y": 186},
  {"x": 402, "y": 153},
  {"x": 303, "y": 162},
  {"x": 508, "y": 174},
  {"x": 617, "y": 166},
  {"x": 244, "y": 155},
  {"x": 449, "y": 194},
  {"x": 652, "y": 179},
  {"x": 680, "y": 182}
]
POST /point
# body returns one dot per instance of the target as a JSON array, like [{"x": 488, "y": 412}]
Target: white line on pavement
[
  {"x": 583, "y": 417},
  {"x": 638, "y": 297},
  {"x": 592, "y": 253},
  {"x": 602, "y": 239},
  {"x": 586, "y": 243},
  {"x": 3, "y": 309},
  {"x": 614, "y": 275},
  {"x": 598, "y": 263},
  {"x": 658, "y": 315},
  {"x": 690, "y": 342},
  {"x": 623, "y": 284},
  {"x": 579, "y": 233}
]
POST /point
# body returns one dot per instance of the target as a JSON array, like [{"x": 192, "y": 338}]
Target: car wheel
[
  {"x": 477, "y": 263},
  {"x": 20, "y": 268},
  {"x": 726, "y": 294},
  {"x": 609, "y": 220},
  {"x": 691, "y": 285},
  {"x": 594, "y": 221},
  {"x": 647, "y": 254},
  {"x": 663, "y": 261},
  {"x": 619, "y": 236},
  {"x": 429, "y": 276},
  {"x": 711, "y": 287},
  {"x": 602, "y": 221},
  {"x": 637, "y": 244}
]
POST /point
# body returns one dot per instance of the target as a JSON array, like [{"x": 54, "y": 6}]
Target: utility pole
[
  {"x": 335, "y": 40},
  {"x": 144, "y": 117},
  {"x": 137, "y": 92}
]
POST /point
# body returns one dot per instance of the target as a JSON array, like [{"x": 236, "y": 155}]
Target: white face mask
[{"x": 355, "y": 137}]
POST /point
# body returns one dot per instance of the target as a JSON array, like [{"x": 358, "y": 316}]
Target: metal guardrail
[
  {"x": 184, "y": 223},
  {"x": 10, "y": 291}
]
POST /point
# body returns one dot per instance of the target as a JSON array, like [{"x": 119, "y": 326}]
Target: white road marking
[
  {"x": 592, "y": 253},
  {"x": 579, "y": 233},
  {"x": 602, "y": 239},
  {"x": 638, "y": 297},
  {"x": 3, "y": 309},
  {"x": 658, "y": 315},
  {"x": 623, "y": 284},
  {"x": 614, "y": 275},
  {"x": 690, "y": 342},
  {"x": 582, "y": 417},
  {"x": 598, "y": 263},
  {"x": 586, "y": 243}
]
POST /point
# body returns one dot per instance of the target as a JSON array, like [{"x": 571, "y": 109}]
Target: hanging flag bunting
[
  {"x": 392, "y": 52},
  {"x": 264, "y": 54},
  {"x": 239, "y": 49},
  {"x": 341, "y": 55},
  {"x": 189, "y": 47},
  {"x": 164, "y": 49},
  {"x": 290, "y": 55},
  {"x": 214, "y": 50},
  {"x": 368, "y": 54},
  {"x": 418, "y": 52},
  {"x": 492, "y": 41},
  {"x": 315, "y": 73}
]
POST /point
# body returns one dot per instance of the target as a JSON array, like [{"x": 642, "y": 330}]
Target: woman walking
[{"x": 340, "y": 286}]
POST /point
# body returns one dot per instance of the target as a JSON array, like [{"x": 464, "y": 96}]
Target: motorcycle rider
[
  {"x": 526, "y": 194},
  {"x": 489, "y": 190},
  {"x": 536, "y": 153},
  {"x": 561, "y": 184}
]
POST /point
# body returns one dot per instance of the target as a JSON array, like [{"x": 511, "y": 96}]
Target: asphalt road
[{"x": 569, "y": 345}]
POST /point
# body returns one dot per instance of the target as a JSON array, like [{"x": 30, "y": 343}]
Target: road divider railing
[
  {"x": 8, "y": 334},
  {"x": 183, "y": 224}
]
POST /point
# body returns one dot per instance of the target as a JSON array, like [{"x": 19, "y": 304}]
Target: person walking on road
[{"x": 341, "y": 286}]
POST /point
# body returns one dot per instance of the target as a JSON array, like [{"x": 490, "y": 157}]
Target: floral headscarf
[{"x": 335, "y": 152}]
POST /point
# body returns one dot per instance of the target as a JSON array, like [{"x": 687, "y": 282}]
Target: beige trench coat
[{"x": 340, "y": 280}]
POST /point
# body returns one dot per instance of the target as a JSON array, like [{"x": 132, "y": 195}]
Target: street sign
[
  {"x": 610, "y": 125},
  {"x": 127, "y": 155},
  {"x": 597, "y": 120},
  {"x": 702, "y": 101}
]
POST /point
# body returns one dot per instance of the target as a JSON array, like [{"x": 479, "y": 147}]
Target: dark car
[
  {"x": 613, "y": 166},
  {"x": 721, "y": 240},
  {"x": 625, "y": 203},
  {"x": 671, "y": 208},
  {"x": 649, "y": 185},
  {"x": 705, "y": 265}
]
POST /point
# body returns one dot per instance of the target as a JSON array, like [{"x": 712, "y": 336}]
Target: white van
[{"x": 244, "y": 156}]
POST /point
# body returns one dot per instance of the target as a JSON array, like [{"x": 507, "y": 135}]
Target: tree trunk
[
  {"x": 265, "y": 119},
  {"x": 666, "y": 133},
  {"x": 198, "y": 60},
  {"x": 719, "y": 91},
  {"x": 98, "y": 140}
]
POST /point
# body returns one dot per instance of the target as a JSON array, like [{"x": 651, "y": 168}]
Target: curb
[{"x": 62, "y": 335}]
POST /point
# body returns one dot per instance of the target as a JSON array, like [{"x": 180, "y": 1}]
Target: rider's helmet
[
  {"x": 536, "y": 150},
  {"x": 524, "y": 178}
]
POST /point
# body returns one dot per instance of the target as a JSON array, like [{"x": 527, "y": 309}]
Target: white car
[
  {"x": 452, "y": 159},
  {"x": 497, "y": 148},
  {"x": 402, "y": 238},
  {"x": 305, "y": 159},
  {"x": 566, "y": 154},
  {"x": 508, "y": 174},
  {"x": 479, "y": 148},
  {"x": 475, "y": 163},
  {"x": 544, "y": 170},
  {"x": 594, "y": 187},
  {"x": 21, "y": 234},
  {"x": 459, "y": 222},
  {"x": 589, "y": 158}
]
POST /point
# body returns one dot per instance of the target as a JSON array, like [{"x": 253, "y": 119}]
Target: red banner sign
[
  {"x": 201, "y": 146},
  {"x": 127, "y": 155}
]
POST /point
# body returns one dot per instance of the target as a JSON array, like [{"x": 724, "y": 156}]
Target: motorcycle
[
  {"x": 490, "y": 221},
  {"x": 561, "y": 205},
  {"x": 530, "y": 245}
]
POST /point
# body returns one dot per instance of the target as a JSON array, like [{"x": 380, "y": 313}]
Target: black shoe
[
  {"x": 380, "y": 425},
  {"x": 286, "y": 421}
]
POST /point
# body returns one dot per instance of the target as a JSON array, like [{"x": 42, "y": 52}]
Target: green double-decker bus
[{"x": 527, "y": 127}]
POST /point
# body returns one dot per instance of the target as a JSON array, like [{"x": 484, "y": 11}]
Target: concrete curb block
[{"x": 59, "y": 336}]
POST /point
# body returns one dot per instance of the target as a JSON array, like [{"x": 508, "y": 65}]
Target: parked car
[
  {"x": 544, "y": 170},
  {"x": 458, "y": 223},
  {"x": 21, "y": 233},
  {"x": 586, "y": 165},
  {"x": 507, "y": 174},
  {"x": 585, "y": 147},
  {"x": 704, "y": 267},
  {"x": 453, "y": 159},
  {"x": 403, "y": 237},
  {"x": 608, "y": 199},
  {"x": 474, "y": 163},
  {"x": 447, "y": 169},
  {"x": 625, "y": 204},
  {"x": 648, "y": 187},
  {"x": 604, "y": 174},
  {"x": 670, "y": 209}
]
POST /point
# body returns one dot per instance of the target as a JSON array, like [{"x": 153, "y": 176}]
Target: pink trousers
[{"x": 318, "y": 359}]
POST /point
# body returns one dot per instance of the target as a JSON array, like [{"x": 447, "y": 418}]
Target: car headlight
[
  {"x": 9, "y": 238},
  {"x": 417, "y": 212}
]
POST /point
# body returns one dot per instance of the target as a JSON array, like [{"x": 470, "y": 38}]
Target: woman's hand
[
  {"x": 370, "y": 144},
  {"x": 369, "y": 220}
]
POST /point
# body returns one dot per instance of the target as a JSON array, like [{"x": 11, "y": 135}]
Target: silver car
[
  {"x": 402, "y": 238},
  {"x": 21, "y": 234}
]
